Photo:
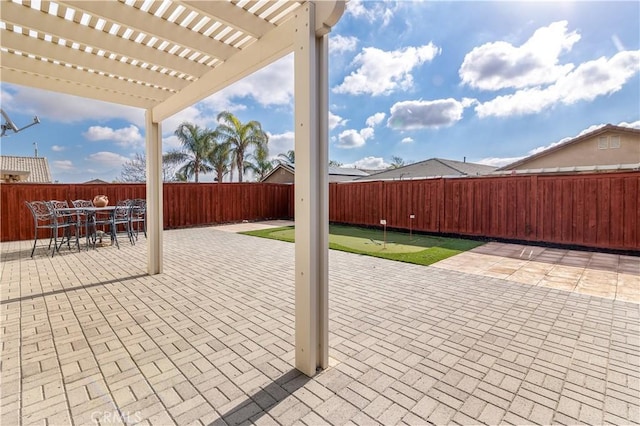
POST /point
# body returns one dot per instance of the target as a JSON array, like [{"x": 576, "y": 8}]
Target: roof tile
[{"x": 38, "y": 167}]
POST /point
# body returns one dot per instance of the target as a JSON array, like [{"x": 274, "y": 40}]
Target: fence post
[
  {"x": 441, "y": 204},
  {"x": 535, "y": 200}
]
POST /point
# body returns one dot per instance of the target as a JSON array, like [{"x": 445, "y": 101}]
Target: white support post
[
  {"x": 154, "y": 195},
  {"x": 311, "y": 194}
]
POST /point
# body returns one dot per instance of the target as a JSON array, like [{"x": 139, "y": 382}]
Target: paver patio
[{"x": 89, "y": 337}]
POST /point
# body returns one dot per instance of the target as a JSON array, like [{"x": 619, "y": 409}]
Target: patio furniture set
[{"x": 68, "y": 224}]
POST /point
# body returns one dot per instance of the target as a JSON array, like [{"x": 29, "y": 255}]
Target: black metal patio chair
[
  {"x": 138, "y": 216},
  {"x": 121, "y": 216},
  {"x": 86, "y": 221},
  {"x": 66, "y": 221},
  {"x": 45, "y": 217}
]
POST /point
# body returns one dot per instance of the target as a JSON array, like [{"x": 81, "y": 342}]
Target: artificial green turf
[{"x": 419, "y": 249}]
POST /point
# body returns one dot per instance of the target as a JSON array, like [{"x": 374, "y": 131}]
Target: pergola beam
[
  {"x": 27, "y": 79},
  {"x": 61, "y": 72}
]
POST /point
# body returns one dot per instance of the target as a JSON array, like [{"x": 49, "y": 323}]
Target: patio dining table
[{"x": 90, "y": 223}]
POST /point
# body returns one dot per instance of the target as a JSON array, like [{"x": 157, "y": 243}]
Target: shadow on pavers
[{"x": 264, "y": 400}]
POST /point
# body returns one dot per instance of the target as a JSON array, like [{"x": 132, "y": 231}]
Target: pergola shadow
[
  {"x": 264, "y": 400},
  {"x": 65, "y": 290}
]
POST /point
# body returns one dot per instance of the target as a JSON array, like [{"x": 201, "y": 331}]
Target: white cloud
[
  {"x": 57, "y": 148},
  {"x": 588, "y": 81},
  {"x": 407, "y": 140},
  {"x": 408, "y": 115},
  {"x": 281, "y": 143},
  {"x": 350, "y": 139},
  {"x": 62, "y": 165},
  {"x": 272, "y": 85},
  {"x": 339, "y": 43},
  {"x": 170, "y": 143},
  {"x": 375, "y": 119},
  {"x": 499, "y": 65},
  {"x": 633, "y": 125},
  {"x": 190, "y": 114},
  {"x": 544, "y": 148},
  {"x": 372, "y": 12},
  {"x": 382, "y": 73},
  {"x": 367, "y": 133},
  {"x": 336, "y": 120},
  {"x": 369, "y": 163},
  {"x": 125, "y": 137},
  {"x": 107, "y": 159},
  {"x": 498, "y": 161}
]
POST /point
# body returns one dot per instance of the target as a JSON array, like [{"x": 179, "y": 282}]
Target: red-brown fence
[
  {"x": 185, "y": 204},
  {"x": 599, "y": 210}
]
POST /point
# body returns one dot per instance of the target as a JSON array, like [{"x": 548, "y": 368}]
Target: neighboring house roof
[
  {"x": 333, "y": 171},
  {"x": 604, "y": 129},
  {"x": 433, "y": 167},
  {"x": 572, "y": 169},
  {"x": 372, "y": 171},
  {"x": 98, "y": 181},
  {"x": 286, "y": 166},
  {"x": 30, "y": 169},
  {"x": 346, "y": 171}
]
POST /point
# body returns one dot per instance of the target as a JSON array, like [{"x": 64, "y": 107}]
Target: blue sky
[{"x": 489, "y": 81}]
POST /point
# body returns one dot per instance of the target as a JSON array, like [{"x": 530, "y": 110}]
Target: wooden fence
[
  {"x": 600, "y": 210},
  {"x": 185, "y": 204}
]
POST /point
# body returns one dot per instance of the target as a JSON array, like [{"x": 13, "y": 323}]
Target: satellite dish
[{"x": 8, "y": 124}]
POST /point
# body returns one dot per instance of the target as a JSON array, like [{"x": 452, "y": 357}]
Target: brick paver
[{"x": 90, "y": 338}]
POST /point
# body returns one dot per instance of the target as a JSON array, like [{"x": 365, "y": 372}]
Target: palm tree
[
  {"x": 181, "y": 177},
  {"x": 219, "y": 159},
  {"x": 289, "y": 157},
  {"x": 258, "y": 164},
  {"x": 197, "y": 144},
  {"x": 260, "y": 167},
  {"x": 240, "y": 137}
]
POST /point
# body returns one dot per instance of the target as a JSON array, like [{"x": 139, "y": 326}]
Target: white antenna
[
  {"x": 10, "y": 125},
  {"x": 35, "y": 144}
]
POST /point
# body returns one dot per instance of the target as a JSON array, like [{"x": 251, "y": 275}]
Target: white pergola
[{"x": 163, "y": 56}]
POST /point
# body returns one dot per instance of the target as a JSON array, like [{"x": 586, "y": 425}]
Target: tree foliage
[
  {"x": 397, "y": 162},
  {"x": 288, "y": 157},
  {"x": 196, "y": 144},
  {"x": 231, "y": 145},
  {"x": 259, "y": 164},
  {"x": 219, "y": 159},
  {"x": 135, "y": 170},
  {"x": 241, "y": 137}
]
